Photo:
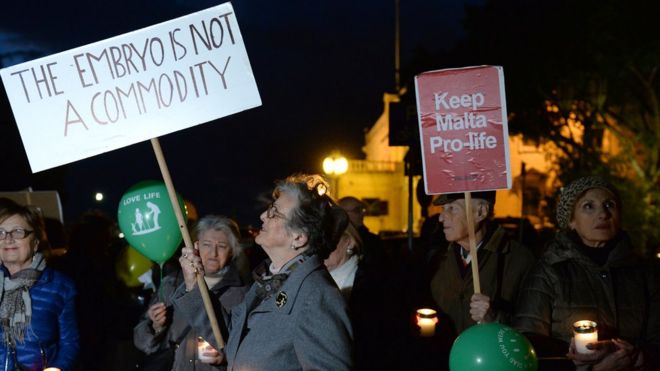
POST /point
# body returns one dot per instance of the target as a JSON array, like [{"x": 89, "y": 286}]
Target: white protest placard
[
  {"x": 130, "y": 88},
  {"x": 463, "y": 129}
]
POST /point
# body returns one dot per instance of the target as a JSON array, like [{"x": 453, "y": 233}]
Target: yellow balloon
[{"x": 131, "y": 265}]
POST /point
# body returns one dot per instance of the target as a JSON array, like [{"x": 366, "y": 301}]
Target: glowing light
[
  {"x": 98, "y": 196},
  {"x": 335, "y": 165},
  {"x": 426, "y": 320}
]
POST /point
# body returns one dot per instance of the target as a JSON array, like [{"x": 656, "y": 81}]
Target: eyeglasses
[
  {"x": 208, "y": 244},
  {"x": 15, "y": 234},
  {"x": 272, "y": 212}
]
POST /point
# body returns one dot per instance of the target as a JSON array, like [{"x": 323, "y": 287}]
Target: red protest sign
[{"x": 463, "y": 129}]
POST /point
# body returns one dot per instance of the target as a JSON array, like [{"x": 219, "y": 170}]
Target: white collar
[
  {"x": 344, "y": 275},
  {"x": 468, "y": 259}
]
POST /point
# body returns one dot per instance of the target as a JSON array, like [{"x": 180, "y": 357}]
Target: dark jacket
[
  {"x": 503, "y": 263},
  {"x": 371, "y": 311},
  {"x": 53, "y": 328},
  {"x": 184, "y": 328},
  {"x": 622, "y": 296},
  {"x": 304, "y": 326}
]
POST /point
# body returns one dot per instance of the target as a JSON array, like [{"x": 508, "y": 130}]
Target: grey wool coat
[
  {"x": 302, "y": 326},
  {"x": 185, "y": 327}
]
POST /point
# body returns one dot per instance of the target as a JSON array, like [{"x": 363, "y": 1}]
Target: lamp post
[{"x": 334, "y": 166}]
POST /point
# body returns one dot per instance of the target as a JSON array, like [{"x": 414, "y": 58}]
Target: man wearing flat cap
[{"x": 503, "y": 263}]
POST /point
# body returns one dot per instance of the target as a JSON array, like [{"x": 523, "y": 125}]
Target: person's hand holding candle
[
  {"x": 597, "y": 350},
  {"x": 615, "y": 354},
  {"x": 207, "y": 354}
]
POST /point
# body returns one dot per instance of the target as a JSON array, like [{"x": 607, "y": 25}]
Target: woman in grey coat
[
  {"x": 293, "y": 316},
  {"x": 165, "y": 327}
]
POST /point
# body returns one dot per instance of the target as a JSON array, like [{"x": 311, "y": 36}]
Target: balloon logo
[
  {"x": 492, "y": 347},
  {"x": 131, "y": 265},
  {"x": 148, "y": 221}
]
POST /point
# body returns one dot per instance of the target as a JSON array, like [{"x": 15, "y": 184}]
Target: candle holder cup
[
  {"x": 584, "y": 332},
  {"x": 426, "y": 320}
]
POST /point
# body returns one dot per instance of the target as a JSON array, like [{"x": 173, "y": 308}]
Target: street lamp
[{"x": 335, "y": 165}]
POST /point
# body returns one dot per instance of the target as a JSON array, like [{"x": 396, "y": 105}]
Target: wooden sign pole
[
  {"x": 473, "y": 243},
  {"x": 203, "y": 289}
]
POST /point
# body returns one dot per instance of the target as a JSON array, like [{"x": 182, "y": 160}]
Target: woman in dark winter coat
[
  {"x": 37, "y": 304},
  {"x": 165, "y": 328},
  {"x": 590, "y": 272}
]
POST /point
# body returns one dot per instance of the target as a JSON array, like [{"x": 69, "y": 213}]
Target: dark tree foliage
[{"x": 584, "y": 76}]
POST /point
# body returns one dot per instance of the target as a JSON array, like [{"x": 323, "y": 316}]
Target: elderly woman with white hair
[
  {"x": 165, "y": 332},
  {"x": 590, "y": 272}
]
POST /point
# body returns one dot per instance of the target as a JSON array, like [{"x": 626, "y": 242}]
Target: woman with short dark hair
[{"x": 293, "y": 317}]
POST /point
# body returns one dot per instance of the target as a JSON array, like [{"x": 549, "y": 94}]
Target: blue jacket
[{"x": 53, "y": 328}]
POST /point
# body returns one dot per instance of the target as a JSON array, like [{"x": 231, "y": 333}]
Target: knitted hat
[{"x": 572, "y": 192}]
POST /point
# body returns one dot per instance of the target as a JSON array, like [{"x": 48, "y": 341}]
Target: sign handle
[
  {"x": 203, "y": 289},
  {"x": 473, "y": 243}
]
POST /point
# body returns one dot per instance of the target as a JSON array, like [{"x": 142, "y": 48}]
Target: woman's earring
[{"x": 349, "y": 251}]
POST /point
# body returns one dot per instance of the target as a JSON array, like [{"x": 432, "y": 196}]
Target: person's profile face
[
  {"x": 273, "y": 232},
  {"x": 454, "y": 221},
  {"x": 355, "y": 211}
]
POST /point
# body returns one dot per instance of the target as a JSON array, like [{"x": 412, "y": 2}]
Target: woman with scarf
[
  {"x": 293, "y": 317},
  {"x": 166, "y": 331},
  {"x": 590, "y": 271},
  {"x": 37, "y": 304}
]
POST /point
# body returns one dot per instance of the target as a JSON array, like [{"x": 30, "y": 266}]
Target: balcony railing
[{"x": 365, "y": 166}]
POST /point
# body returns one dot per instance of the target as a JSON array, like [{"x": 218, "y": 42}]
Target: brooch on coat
[{"x": 280, "y": 300}]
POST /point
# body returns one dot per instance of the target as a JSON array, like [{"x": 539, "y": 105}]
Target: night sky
[{"x": 321, "y": 67}]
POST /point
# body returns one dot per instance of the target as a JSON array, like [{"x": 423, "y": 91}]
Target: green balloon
[
  {"x": 148, "y": 221},
  {"x": 492, "y": 347}
]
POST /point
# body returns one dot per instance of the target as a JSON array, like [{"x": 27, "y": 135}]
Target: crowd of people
[{"x": 328, "y": 294}]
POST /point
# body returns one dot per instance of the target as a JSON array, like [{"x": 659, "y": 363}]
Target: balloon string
[{"x": 160, "y": 288}]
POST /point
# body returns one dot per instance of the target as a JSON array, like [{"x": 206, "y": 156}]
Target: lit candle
[
  {"x": 426, "y": 320},
  {"x": 585, "y": 332},
  {"x": 203, "y": 346}
]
